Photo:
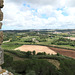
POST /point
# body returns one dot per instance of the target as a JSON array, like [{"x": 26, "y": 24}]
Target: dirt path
[
  {"x": 37, "y": 48},
  {"x": 69, "y": 53},
  {"x": 6, "y": 41}
]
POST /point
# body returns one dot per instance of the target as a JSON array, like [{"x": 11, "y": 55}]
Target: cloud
[
  {"x": 54, "y": 3},
  {"x": 70, "y": 3},
  {"x": 39, "y": 14}
]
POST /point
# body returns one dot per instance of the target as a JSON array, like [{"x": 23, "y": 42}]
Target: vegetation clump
[{"x": 33, "y": 64}]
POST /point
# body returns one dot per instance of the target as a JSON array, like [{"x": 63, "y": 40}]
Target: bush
[
  {"x": 39, "y": 53},
  {"x": 28, "y": 54},
  {"x": 63, "y": 41},
  {"x": 31, "y": 73},
  {"x": 7, "y": 60}
]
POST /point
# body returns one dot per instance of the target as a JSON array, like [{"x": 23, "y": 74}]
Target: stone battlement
[
  {"x": 2, "y": 71},
  {"x": 1, "y": 33},
  {"x": 1, "y": 3}
]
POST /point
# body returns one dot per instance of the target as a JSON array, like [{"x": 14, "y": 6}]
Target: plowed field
[{"x": 69, "y": 53}]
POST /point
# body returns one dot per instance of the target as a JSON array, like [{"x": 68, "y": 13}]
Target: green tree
[
  {"x": 28, "y": 54},
  {"x": 34, "y": 52}
]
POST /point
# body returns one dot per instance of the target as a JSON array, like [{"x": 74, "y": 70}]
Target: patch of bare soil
[
  {"x": 69, "y": 53},
  {"x": 54, "y": 62},
  {"x": 37, "y": 48},
  {"x": 71, "y": 38}
]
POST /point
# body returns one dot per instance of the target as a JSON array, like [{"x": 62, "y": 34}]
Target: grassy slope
[
  {"x": 53, "y": 61},
  {"x": 66, "y": 46},
  {"x": 14, "y": 56}
]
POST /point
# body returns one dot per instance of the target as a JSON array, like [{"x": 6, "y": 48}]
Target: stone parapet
[
  {"x": 1, "y": 35},
  {"x": 1, "y": 56},
  {"x": 1, "y": 3},
  {"x": 1, "y": 15},
  {"x": 2, "y": 71},
  {"x": 0, "y": 25}
]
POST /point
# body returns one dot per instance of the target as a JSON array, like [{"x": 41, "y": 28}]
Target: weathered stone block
[
  {"x": 1, "y": 56},
  {"x": 1, "y": 37},
  {"x": 1, "y": 3},
  {"x": 1, "y": 15},
  {"x": 0, "y": 25},
  {"x": 0, "y": 68}
]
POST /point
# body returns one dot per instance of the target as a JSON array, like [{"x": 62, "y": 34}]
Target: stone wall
[
  {"x": 1, "y": 15},
  {"x": 2, "y": 71},
  {"x": 1, "y": 3},
  {"x": 0, "y": 25},
  {"x": 1, "y": 34}
]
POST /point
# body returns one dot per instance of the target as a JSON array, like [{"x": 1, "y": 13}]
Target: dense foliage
[
  {"x": 38, "y": 65},
  {"x": 64, "y": 41}
]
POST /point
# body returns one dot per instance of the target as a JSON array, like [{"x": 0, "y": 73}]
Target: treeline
[
  {"x": 65, "y": 30},
  {"x": 33, "y": 54},
  {"x": 63, "y": 41},
  {"x": 27, "y": 54}
]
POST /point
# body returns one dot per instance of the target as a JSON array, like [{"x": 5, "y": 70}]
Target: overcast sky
[{"x": 38, "y": 14}]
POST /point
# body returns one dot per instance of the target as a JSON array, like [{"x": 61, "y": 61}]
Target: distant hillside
[{"x": 42, "y": 30}]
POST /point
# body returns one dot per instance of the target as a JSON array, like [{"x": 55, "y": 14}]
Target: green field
[{"x": 19, "y": 38}]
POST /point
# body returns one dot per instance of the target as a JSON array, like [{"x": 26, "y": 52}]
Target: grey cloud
[
  {"x": 70, "y": 3},
  {"x": 14, "y": 1},
  {"x": 58, "y": 3},
  {"x": 36, "y": 2},
  {"x": 43, "y": 2}
]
